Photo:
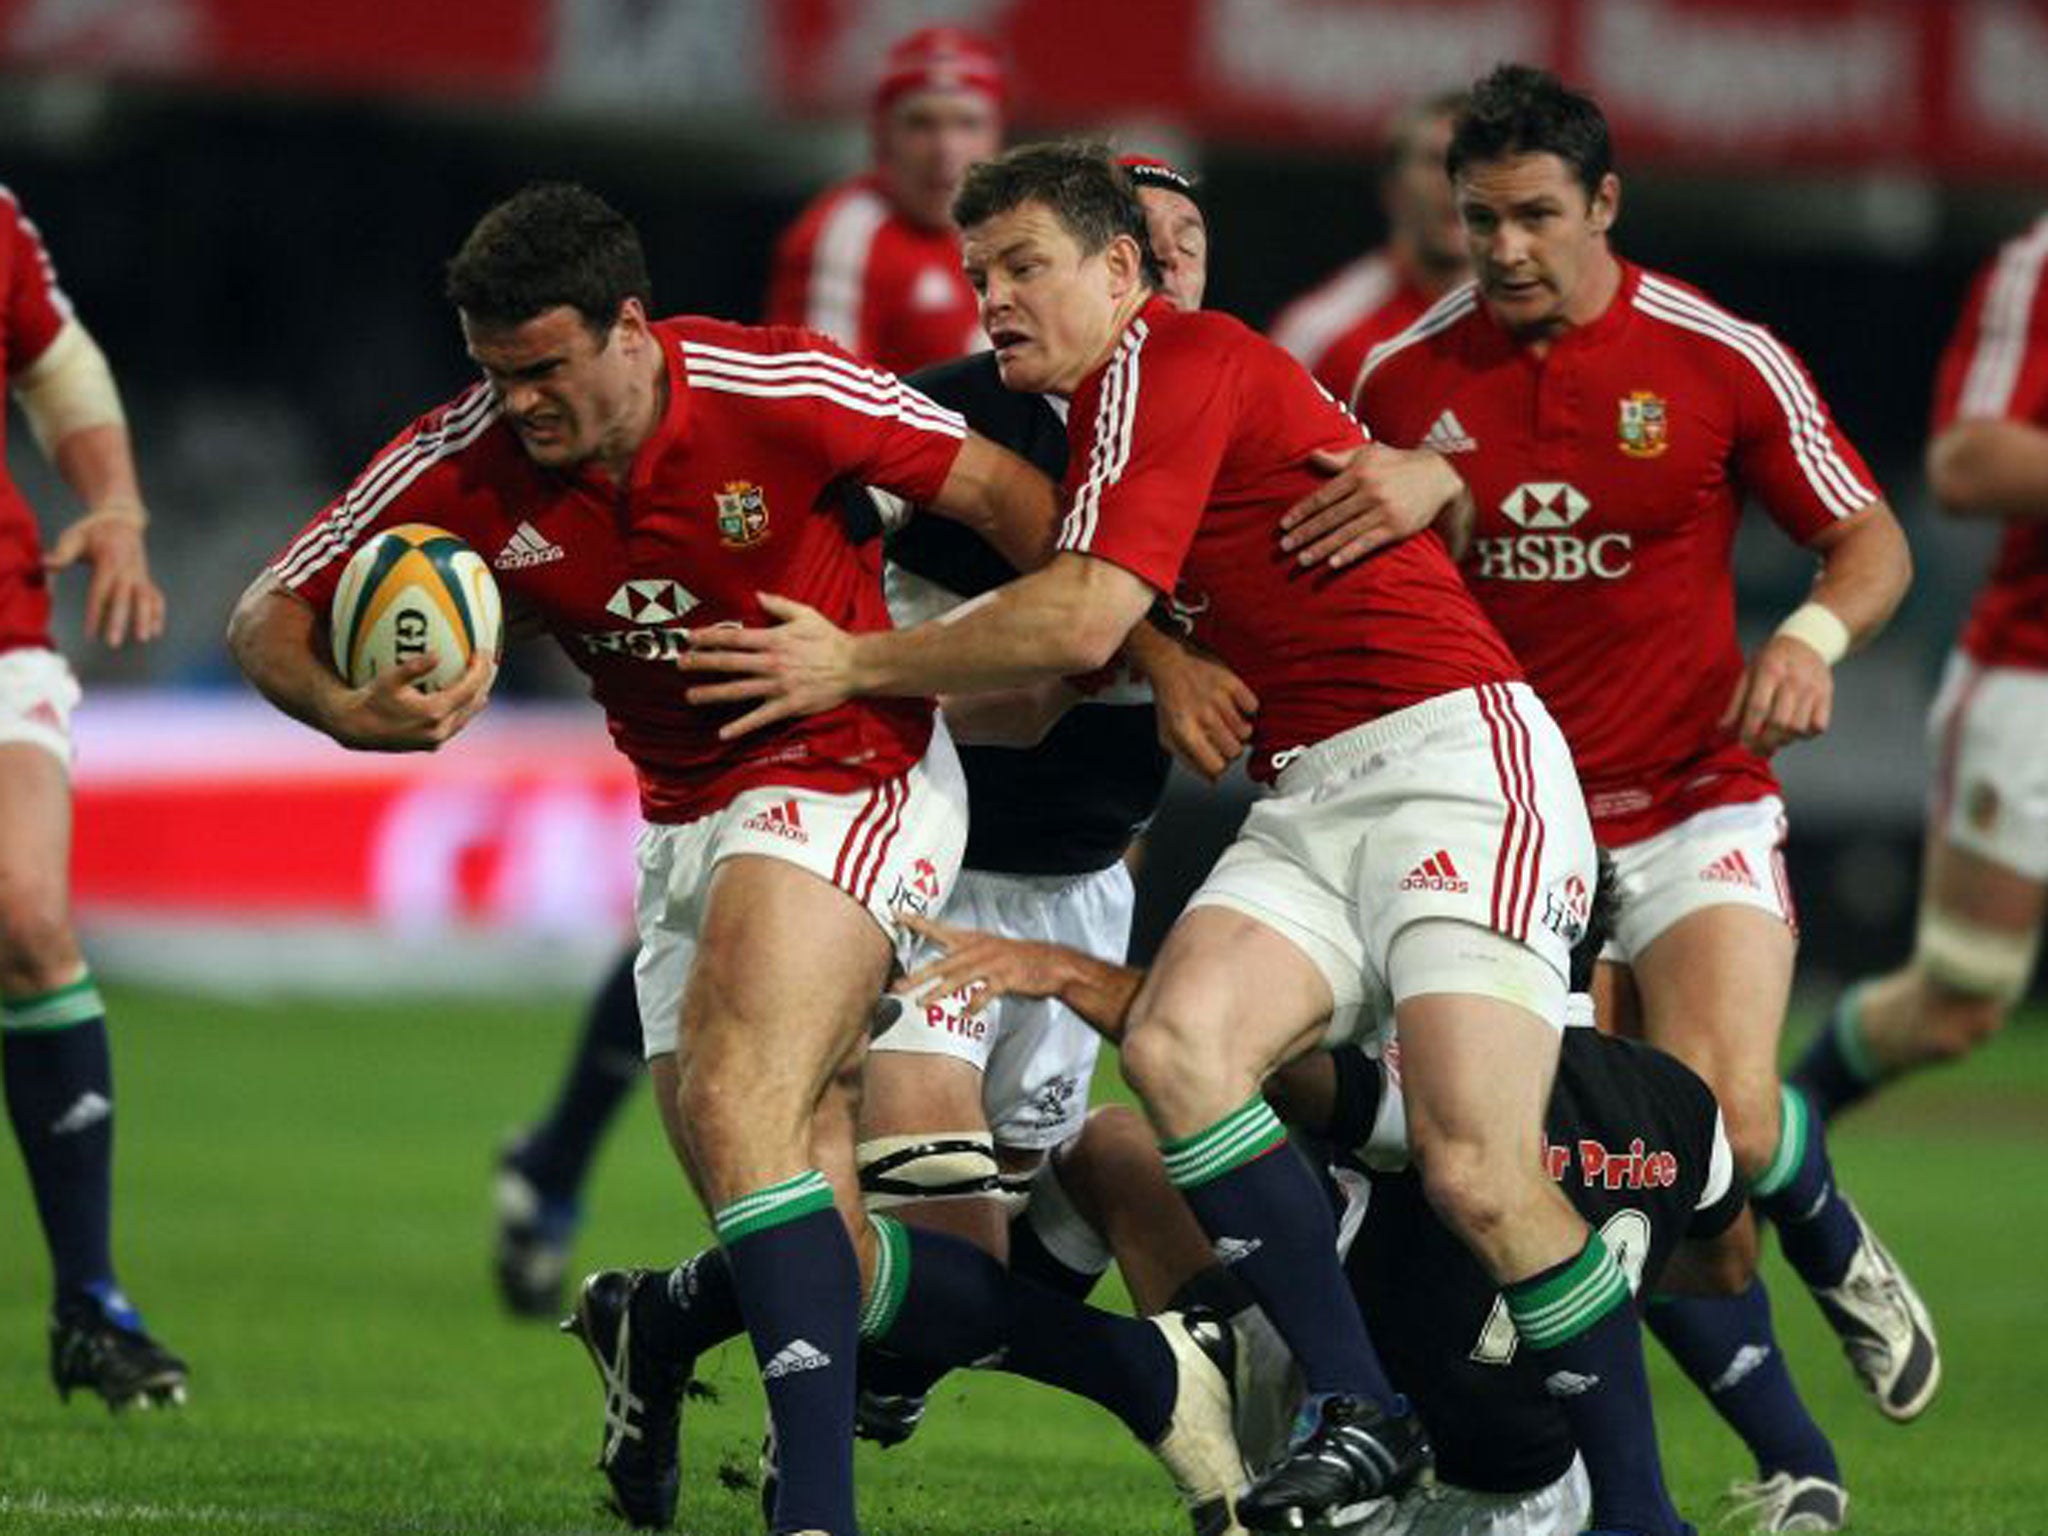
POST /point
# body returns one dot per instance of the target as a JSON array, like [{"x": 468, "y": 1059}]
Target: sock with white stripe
[
  {"x": 1271, "y": 1225},
  {"x": 794, "y": 1271},
  {"x": 1836, "y": 1069},
  {"x": 1816, "y": 1227},
  {"x": 60, "y": 1097},
  {"x": 1726, "y": 1345},
  {"x": 1577, "y": 1321}
]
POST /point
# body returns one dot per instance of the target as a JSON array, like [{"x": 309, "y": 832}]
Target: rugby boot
[
  {"x": 1347, "y": 1454},
  {"x": 1785, "y": 1501},
  {"x": 643, "y": 1397},
  {"x": 1199, "y": 1449},
  {"x": 888, "y": 1418},
  {"x": 122, "y": 1364},
  {"x": 533, "y": 1232},
  {"x": 1884, "y": 1329}
]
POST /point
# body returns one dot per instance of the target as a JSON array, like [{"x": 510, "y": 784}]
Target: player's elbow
[{"x": 1961, "y": 468}]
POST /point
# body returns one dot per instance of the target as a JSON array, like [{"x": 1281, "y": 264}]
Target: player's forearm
[
  {"x": 1100, "y": 991},
  {"x": 1990, "y": 469},
  {"x": 273, "y": 635},
  {"x": 1013, "y": 507},
  {"x": 99, "y": 466},
  {"x": 1008, "y": 717},
  {"x": 1866, "y": 567},
  {"x": 1068, "y": 618}
]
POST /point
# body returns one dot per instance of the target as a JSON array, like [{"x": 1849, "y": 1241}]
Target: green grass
[{"x": 301, "y": 1210}]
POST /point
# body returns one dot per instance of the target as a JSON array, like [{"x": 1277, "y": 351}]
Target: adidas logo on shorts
[
  {"x": 796, "y": 1355},
  {"x": 1436, "y": 873},
  {"x": 782, "y": 821},
  {"x": 1732, "y": 869}
]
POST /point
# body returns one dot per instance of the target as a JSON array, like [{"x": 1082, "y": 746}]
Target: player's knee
[
  {"x": 1183, "y": 1076},
  {"x": 1753, "y": 1125},
  {"x": 1971, "y": 975},
  {"x": 37, "y": 949},
  {"x": 1955, "y": 1024},
  {"x": 1465, "y": 1187}
]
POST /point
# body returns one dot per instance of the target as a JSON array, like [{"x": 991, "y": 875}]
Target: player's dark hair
[
  {"x": 549, "y": 244},
  {"x": 1521, "y": 110},
  {"x": 1599, "y": 925},
  {"x": 1080, "y": 182},
  {"x": 1407, "y": 125}
]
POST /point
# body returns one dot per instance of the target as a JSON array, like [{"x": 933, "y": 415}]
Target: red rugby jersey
[
  {"x": 888, "y": 290},
  {"x": 1609, "y": 473},
  {"x": 1188, "y": 444},
  {"x": 727, "y": 499},
  {"x": 33, "y": 309},
  {"x": 1996, "y": 366},
  {"x": 1335, "y": 324}
]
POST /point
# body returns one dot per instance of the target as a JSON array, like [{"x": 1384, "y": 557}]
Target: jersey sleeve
[
  {"x": 1789, "y": 452},
  {"x": 1143, "y": 469},
  {"x": 407, "y": 482},
  {"x": 824, "y": 268},
  {"x": 36, "y": 307},
  {"x": 1996, "y": 362},
  {"x": 875, "y": 428},
  {"x": 1722, "y": 1195}
]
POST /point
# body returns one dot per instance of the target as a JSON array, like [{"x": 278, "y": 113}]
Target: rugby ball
[{"x": 412, "y": 591}]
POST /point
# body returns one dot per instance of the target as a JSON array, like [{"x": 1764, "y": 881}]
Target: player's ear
[
  {"x": 1606, "y": 204},
  {"x": 1126, "y": 264},
  {"x": 631, "y": 325}
]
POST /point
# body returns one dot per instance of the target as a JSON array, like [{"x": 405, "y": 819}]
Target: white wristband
[{"x": 1815, "y": 624}]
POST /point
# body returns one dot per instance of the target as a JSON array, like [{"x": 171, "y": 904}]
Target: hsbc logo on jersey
[
  {"x": 654, "y": 605},
  {"x": 1549, "y": 549}
]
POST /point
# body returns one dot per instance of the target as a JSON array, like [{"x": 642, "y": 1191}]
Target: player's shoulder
[
  {"x": 1439, "y": 331},
  {"x": 1343, "y": 300},
  {"x": 709, "y": 345},
  {"x": 2017, "y": 267},
  {"x": 1693, "y": 316},
  {"x": 1206, "y": 336},
  {"x": 853, "y": 210}
]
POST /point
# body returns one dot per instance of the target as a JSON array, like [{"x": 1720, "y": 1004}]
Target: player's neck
[
  {"x": 649, "y": 403},
  {"x": 1596, "y": 290}
]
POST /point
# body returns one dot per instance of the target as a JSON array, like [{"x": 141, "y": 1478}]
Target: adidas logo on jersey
[
  {"x": 527, "y": 547},
  {"x": 1233, "y": 1250},
  {"x": 1436, "y": 873},
  {"x": 780, "y": 820},
  {"x": 1732, "y": 869},
  {"x": 797, "y": 1355},
  {"x": 1447, "y": 434}
]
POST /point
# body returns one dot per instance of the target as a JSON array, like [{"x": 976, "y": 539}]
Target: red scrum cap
[
  {"x": 1151, "y": 171},
  {"x": 941, "y": 59}
]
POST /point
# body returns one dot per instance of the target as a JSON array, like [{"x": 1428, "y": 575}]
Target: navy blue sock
[
  {"x": 1726, "y": 1346},
  {"x": 1836, "y": 1071},
  {"x": 1797, "y": 1192},
  {"x": 944, "y": 1302},
  {"x": 697, "y": 1307},
  {"x": 608, "y": 1060},
  {"x": 1579, "y": 1323},
  {"x": 799, "y": 1288},
  {"x": 1030, "y": 1259},
  {"x": 60, "y": 1097},
  {"x": 1272, "y": 1227}
]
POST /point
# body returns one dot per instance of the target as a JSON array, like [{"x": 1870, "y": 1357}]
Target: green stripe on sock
[
  {"x": 892, "y": 1277},
  {"x": 60, "y": 1009},
  {"x": 1249, "y": 1131},
  {"x": 771, "y": 1207},
  {"x": 1793, "y": 1126},
  {"x": 1847, "y": 1023},
  {"x": 1550, "y": 1312}
]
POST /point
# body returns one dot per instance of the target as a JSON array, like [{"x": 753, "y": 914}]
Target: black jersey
[
  {"x": 1634, "y": 1139},
  {"x": 1072, "y": 803}
]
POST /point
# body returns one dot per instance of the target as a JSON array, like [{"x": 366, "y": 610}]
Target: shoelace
[{"x": 620, "y": 1401}]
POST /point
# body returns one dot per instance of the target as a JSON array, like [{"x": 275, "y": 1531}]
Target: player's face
[
  {"x": 1538, "y": 241},
  {"x": 1180, "y": 244},
  {"x": 568, "y": 393},
  {"x": 1051, "y": 310},
  {"x": 1420, "y": 206},
  {"x": 924, "y": 145}
]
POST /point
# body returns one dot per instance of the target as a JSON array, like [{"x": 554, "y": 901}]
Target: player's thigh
[
  {"x": 1475, "y": 1074},
  {"x": 1714, "y": 988},
  {"x": 35, "y": 855}
]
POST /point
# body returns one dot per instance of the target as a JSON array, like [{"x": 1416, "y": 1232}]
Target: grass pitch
[{"x": 302, "y": 1212}]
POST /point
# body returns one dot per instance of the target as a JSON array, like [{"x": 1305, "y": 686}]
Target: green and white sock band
[
  {"x": 1251, "y": 1130},
  {"x": 1795, "y": 1124},
  {"x": 59, "y": 1009},
  {"x": 892, "y": 1277},
  {"x": 1847, "y": 1024},
  {"x": 1547, "y": 1313},
  {"x": 790, "y": 1200}
]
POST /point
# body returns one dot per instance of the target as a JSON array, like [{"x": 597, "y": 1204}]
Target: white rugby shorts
[
  {"x": 1988, "y": 737},
  {"x": 1731, "y": 855},
  {"x": 1035, "y": 1054},
  {"x": 1562, "y": 1508},
  {"x": 37, "y": 695},
  {"x": 1465, "y": 807},
  {"x": 897, "y": 845}
]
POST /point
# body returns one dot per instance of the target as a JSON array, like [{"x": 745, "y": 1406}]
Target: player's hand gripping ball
[{"x": 413, "y": 591}]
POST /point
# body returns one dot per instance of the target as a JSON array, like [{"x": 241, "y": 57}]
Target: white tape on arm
[
  {"x": 1815, "y": 624},
  {"x": 68, "y": 388}
]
